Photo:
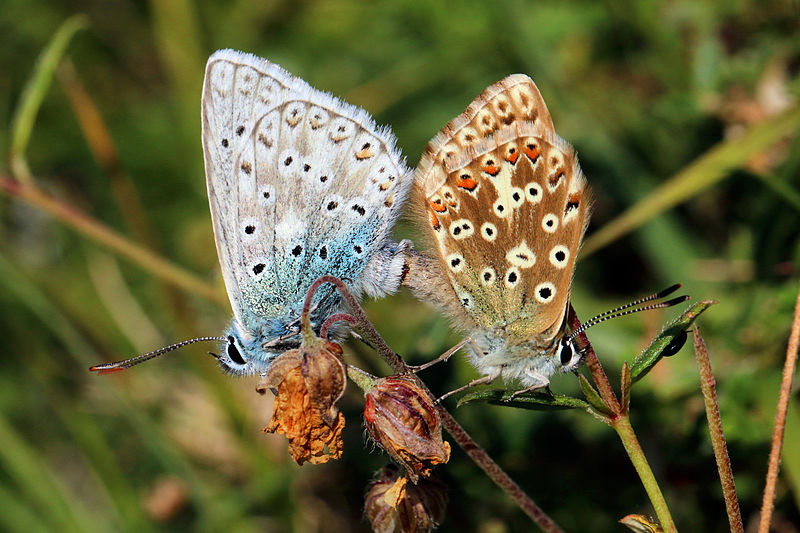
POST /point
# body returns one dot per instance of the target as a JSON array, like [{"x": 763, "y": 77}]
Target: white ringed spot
[
  {"x": 293, "y": 113},
  {"x": 500, "y": 208},
  {"x": 266, "y": 195},
  {"x": 317, "y": 117},
  {"x": 488, "y": 276},
  {"x": 288, "y": 162},
  {"x": 517, "y": 197},
  {"x": 489, "y": 231},
  {"x": 466, "y": 299},
  {"x": 550, "y": 223},
  {"x": 455, "y": 262},
  {"x": 461, "y": 228},
  {"x": 559, "y": 256},
  {"x": 512, "y": 277},
  {"x": 544, "y": 292},
  {"x": 533, "y": 192},
  {"x": 249, "y": 227}
]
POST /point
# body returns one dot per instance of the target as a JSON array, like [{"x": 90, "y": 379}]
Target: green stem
[
  {"x": 364, "y": 380},
  {"x": 622, "y": 425}
]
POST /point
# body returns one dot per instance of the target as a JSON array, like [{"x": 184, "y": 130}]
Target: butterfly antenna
[
  {"x": 108, "y": 368},
  {"x": 626, "y": 309}
]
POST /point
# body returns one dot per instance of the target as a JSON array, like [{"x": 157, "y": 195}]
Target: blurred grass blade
[
  {"x": 176, "y": 31},
  {"x": 37, "y": 482},
  {"x": 102, "y": 146},
  {"x": 121, "y": 304},
  {"x": 704, "y": 172},
  {"x": 677, "y": 328},
  {"x": 535, "y": 401},
  {"x": 18, "y": 515},
  {"x": 30, "y": 296},
  {"x": 93, "y": 229},
  {"x": 34, "y": 92}
]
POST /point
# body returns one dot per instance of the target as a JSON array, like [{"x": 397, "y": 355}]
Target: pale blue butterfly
[{"x": 300, "y": 185}]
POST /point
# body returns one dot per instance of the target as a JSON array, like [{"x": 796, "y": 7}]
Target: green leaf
[
  {"x": 535, "y": 401},
  {"x": 668, "y": 337},
  {"x": 593, "y": 397}
]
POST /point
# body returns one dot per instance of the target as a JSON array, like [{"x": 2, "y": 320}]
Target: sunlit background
[{"x": 680, "y": 108}]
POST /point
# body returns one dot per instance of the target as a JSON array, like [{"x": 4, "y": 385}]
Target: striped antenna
[
  {"x": 626, "y": 309},
  {"x": 108, "y": 368}
]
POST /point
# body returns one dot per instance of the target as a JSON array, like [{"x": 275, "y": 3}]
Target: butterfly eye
[
  {"x": 233, "y": 352},
  {"x": 566, "y": 352}
]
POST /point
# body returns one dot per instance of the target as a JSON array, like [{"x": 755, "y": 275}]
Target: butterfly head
[{"x": 244, "y": 354}]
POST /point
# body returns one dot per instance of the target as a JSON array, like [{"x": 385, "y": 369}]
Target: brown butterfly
[{"x": 504, "y": 204}]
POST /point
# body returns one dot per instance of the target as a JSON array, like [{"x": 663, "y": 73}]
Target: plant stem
[
  {"x": 780, "y": 423},
  {"x": 622, "y": 425},
  {"x": 620, "y": 421},
  {"x": 708, "y": 386},
  {"x": 462, "y": 438}
]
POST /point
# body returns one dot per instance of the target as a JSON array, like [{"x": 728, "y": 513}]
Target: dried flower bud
[
  {"x": 309, "y": 381},
  {"x": 401, "y": 417},
  {"x": 393, "y": 506}
]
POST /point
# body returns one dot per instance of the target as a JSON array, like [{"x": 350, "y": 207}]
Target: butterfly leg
[
  {"x": 485, "y": 380},
  {"x": 540, "y": 382},
  {"x": 444, "y": 357}
]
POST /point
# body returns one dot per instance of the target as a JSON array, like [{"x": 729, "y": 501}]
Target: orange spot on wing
[
  {"x": 438, "y": 206},
  {"x": 532, "y": 152},
  {"x": 467, "y": 183},
  {"x": 435, "y": 222},
  {"x": 492, "y": 170},
  {"x": 512, "y": 158}
]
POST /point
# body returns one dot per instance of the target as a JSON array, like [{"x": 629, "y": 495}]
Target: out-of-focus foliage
[{"x": 642, "y": 89}]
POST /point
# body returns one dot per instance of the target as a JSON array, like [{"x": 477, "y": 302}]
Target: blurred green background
[{"x": 644, "y": 90}]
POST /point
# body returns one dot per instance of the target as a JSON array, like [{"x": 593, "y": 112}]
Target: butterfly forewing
[
  {"x": 300, "y": 185},
  {"x": 506, "y": 212},
  {"x": 239, "y": 89}
]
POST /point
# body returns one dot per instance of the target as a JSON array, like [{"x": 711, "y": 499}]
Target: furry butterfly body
[
  {"x": 504, "y": 204},
  {"x": 300, "y": 185}
]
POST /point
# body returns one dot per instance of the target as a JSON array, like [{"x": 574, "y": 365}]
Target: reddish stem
[
  {"x": 598, "y": 374},
  {"x": 338, "y": 317}
]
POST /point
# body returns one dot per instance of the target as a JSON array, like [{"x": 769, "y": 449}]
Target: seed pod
[
  {"x": 394, "y": 506},
  {"x": 401, "y": 417}
]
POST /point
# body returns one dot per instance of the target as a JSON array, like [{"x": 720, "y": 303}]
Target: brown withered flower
[
  {"x": 403, "y": 420},
  {"x": 308, "y": 381},
  {"x": 393, "y": 506}
]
